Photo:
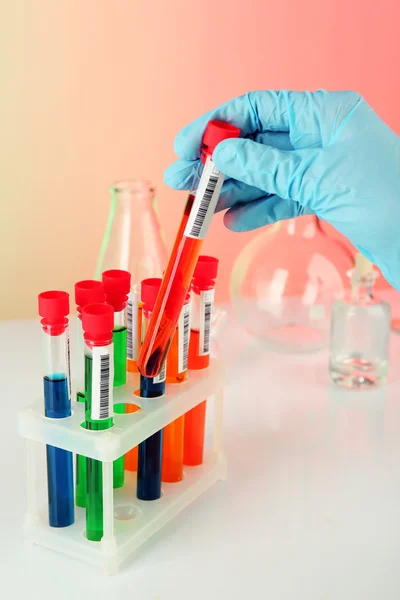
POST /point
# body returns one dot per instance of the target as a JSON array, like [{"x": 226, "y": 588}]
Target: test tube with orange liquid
[
  {"x": 177, "y": 364},
  {"x": 203, "y": 285}
]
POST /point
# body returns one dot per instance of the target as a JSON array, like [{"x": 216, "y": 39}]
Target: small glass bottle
[
  {"x": 133, "y": 242},
  {"x": 360, "y": 333}
]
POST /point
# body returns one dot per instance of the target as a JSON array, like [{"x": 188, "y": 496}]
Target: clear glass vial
[{"x": 360, "y": 331}]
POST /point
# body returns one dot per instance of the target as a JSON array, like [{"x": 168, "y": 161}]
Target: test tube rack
[{"x": 127, "y": 521}]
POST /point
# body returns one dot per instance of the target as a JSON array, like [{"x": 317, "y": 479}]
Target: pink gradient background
[{"x": 96, "y": 90}]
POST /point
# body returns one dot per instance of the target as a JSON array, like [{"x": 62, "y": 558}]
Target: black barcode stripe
[
  {"x": 104, "y": 386},
  {"x": 207, "y": 326},
  {"x": 186, "y": 320},
  {"x": 204, "y": 205},
  {"x": 162, "y": 374},
  {"x": 129, "y": 330}
]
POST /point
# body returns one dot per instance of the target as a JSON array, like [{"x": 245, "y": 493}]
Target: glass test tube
[
  {"x": 134, "y": 341},
  {"x": 116, "y": 284},
  {"x": 178, "y": 274},
  {"x": 89, "y": 291},
  {"x": 134, "y": 327},
  {"x": 177, "y": 364},
  {"x": 135, "y": 322},
  {"x": 54, "y": 308},
  {"x": 97, "y": 322},
  {"x": 199, "y": 353},
  {"x": 131, "y": 457},
  {"x": 150, "y": 450}
]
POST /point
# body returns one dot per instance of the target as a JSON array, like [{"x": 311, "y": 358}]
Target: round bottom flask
[{"x": 284, "y": 283}]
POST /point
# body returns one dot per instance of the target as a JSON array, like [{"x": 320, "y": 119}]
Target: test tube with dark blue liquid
[
  {"x": 54, "y": 309},
  {"x": 150, "y": 451}
]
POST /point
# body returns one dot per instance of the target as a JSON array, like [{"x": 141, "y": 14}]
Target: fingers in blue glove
[
  {"x": 265, "y": 211},
  {"x": 180, "y": 175},
  {"x": 296, "y": 113},
  {"x": 284, "y": 173},
  {"x": 232, "y": 191},
  {"x": 236, "y": 192}
]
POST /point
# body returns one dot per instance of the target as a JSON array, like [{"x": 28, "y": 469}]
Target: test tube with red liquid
[{"x": 178, "y": 275}]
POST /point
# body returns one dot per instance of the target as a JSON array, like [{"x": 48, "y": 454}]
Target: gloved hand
[{"x": 324, "y": 153}]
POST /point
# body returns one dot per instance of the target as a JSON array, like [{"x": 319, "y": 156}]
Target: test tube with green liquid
[
  {"x": 87, "y": 292},
  {"x": 98, "y": 323},
  {"x": 117, "y": 285}
]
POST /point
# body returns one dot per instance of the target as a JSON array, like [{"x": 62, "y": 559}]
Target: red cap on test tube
[
  {"x": 149, "y": 291},
  {"x": 89, "y": 291},
  {"x": 117, "y": 284},
  {"x": 206, "y": 270},
  {"x": 215, "y": 132},
  {"x": 98, "y": 323},
  {"x": 54, "y": 308}
]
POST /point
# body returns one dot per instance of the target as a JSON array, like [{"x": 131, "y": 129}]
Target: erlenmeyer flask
[
  {"x": 284, "y": 283},
  {"x": 133, "y": 241}
]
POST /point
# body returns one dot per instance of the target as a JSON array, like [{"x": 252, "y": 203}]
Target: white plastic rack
[{"x": 127, "y": 521}]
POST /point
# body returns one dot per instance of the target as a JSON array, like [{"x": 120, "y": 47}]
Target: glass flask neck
[
  {"x": 362, "y": 287},
  {"x": 133, "y": 240},
  {"x": 133, "y": 196}
]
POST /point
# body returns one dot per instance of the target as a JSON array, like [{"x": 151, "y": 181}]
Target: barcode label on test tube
[
  {"x": 205, "y": 202},
  {"x": 102, "y": 382},
  {"x": 206, "y": 308},
  {"x": 132, "y": 342},
  {"x": 162, "y": 374},
  {"x": 183, "y": 337}
]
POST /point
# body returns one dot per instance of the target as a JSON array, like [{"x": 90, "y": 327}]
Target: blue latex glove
[{"x": 324, "y": 153}]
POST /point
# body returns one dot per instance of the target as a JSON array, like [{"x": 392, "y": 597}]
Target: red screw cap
[
  {"x": 88, "y": 291},
  {"x": 215, "y": 132},
  {"x": 98, "y": 322},
  {"x": 117, "y": 284},
  {"x": 53, "y": 307},
  {"x": 149, "y": 291},
  {"x": 206, "y": 269}
]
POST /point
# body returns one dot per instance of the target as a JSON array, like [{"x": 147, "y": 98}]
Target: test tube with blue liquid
[
  {"x": 150, "y": 450},
  {"x": 54, "y": 310}
]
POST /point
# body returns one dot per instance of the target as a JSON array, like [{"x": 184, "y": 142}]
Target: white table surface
[{"x": 310, "y": 510}]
